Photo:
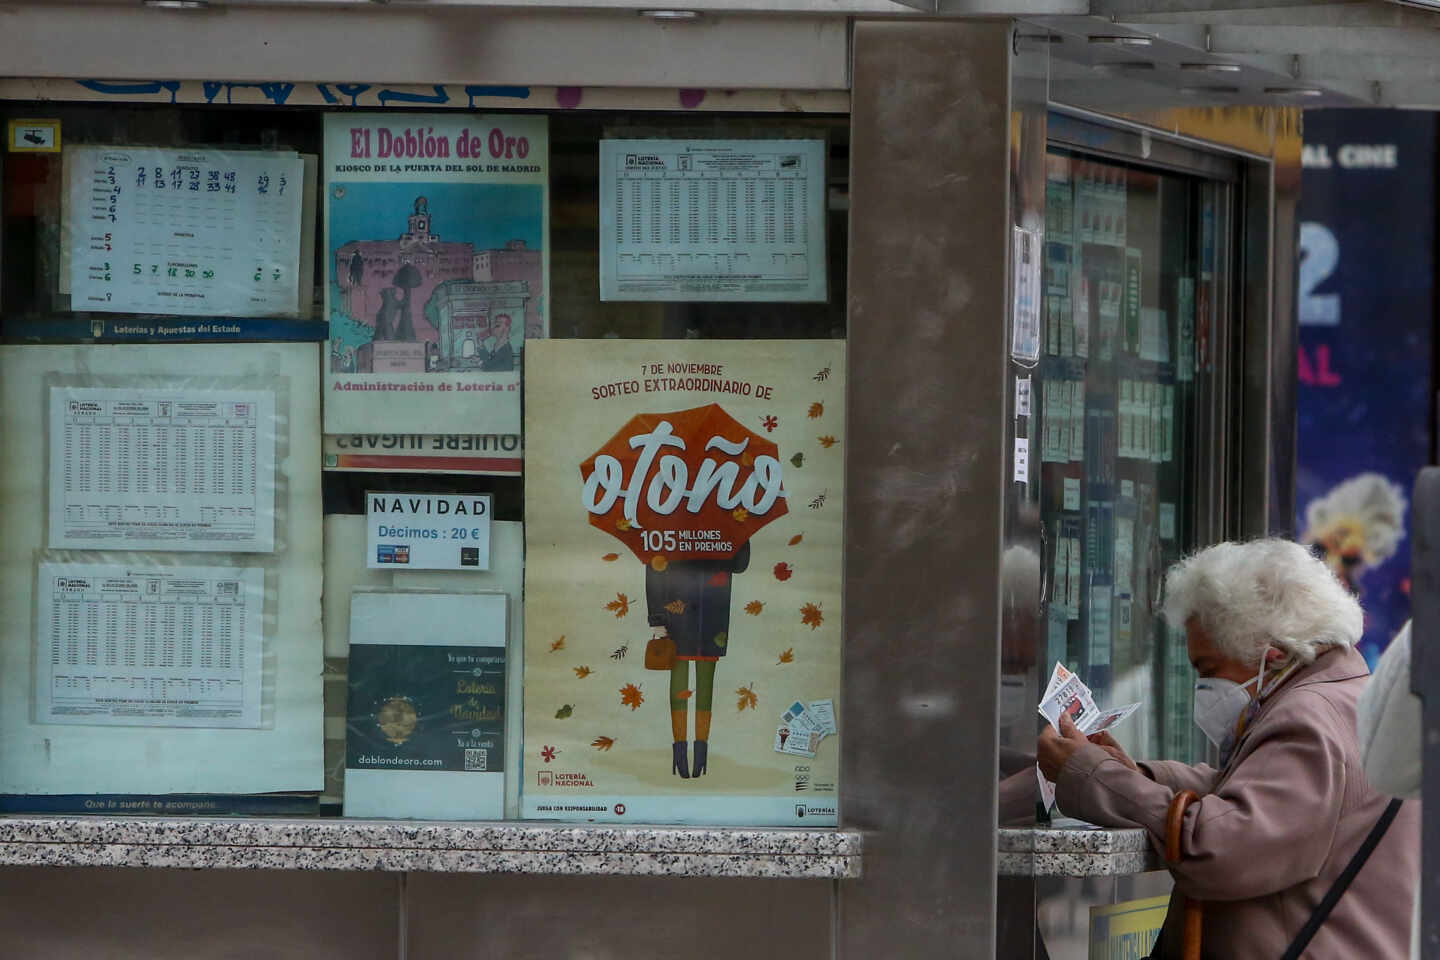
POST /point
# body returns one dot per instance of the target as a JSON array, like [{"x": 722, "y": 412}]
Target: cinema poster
[
  {"x": 684, "y": 504},
  {"x": 437, "y": 256}
]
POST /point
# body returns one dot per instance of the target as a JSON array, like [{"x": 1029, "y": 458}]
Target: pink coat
[{"x": 1274, "y": 828}]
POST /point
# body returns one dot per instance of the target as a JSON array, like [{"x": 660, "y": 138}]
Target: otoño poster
[
  {"x": 683, "y": 581},
  {"x": 437, "y": 269}
]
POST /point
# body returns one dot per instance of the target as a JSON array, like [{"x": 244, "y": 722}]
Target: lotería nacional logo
[{"x": 572, "y": 780}]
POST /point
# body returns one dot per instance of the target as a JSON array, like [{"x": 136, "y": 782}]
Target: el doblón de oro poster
[{"x": 694, "y": 489}]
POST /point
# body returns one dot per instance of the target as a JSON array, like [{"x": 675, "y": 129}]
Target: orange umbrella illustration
[
  {"x": 685, "y": 491},
  {"x": 692, "y": 484}
]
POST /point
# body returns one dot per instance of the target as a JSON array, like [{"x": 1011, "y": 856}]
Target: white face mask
[{"x": 1219, "y": 703}]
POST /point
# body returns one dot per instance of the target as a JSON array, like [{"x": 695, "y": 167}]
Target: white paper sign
[
  {"x": 1022, "y": 396},
  {"x": 1072, "y": 493},
  {"x": 154, "y": 647},
  {"x": 1025, "y": 340},
  {"x": 427, "y": 531},
  {"x": 1022, "y": 460},
  {"x": 184, "y": 231},
  {"x": 155, "y": 469},
  {"x": 712, "y": 220}
]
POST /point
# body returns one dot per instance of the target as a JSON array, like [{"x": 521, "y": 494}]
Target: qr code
[{"x": 477, "y": 758}]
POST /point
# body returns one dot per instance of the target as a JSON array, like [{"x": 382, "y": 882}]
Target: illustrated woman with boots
[{"x": 690, "y": 601}]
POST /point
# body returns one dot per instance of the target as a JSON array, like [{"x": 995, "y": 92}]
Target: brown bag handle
[
  {"x": 1194, "y": 910},
  {"x": 1174, "y": 820}
]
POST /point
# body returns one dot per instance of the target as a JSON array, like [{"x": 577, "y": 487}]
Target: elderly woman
[{"x": 1271, "y": 635}]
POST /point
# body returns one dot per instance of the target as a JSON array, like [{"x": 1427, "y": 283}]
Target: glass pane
[
  {"x": 1129, "y": 310},
  {"x": 414, "y": 290}
]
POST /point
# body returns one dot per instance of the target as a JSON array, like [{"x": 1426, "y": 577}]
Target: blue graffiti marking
[
  {"x": 518, "y": 93},
  {"x": 132, "y": 89},
  {"x": 276, "y": 93},
  {"x": 351, "y": 90},
  {"x": 438, "y": 98}
]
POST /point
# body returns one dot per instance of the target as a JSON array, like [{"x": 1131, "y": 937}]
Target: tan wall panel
[
  {"x": 113, "y": 913},
  {"x": 423, "y": 47},
  {"x": 618, "y": 918}
]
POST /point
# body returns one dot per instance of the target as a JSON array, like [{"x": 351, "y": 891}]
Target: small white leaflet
[
  {"x": 822, "y": 712},
  {"x": 1072, "y": 493},
  {"x": 1022, "y": 396},
  {"x": 1025, "y": 319},
  {"x": 1022, "y": 460}
]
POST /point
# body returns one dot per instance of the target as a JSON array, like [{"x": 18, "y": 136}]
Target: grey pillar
[
  {"x": 1425, "y": 682},
  {"x": 926, "y": 480}
]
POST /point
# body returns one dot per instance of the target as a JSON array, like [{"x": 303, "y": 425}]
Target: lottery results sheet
[
  {"x": 167, "y": 646},
  {"x": 1067, "y": 695},
  {"x": 712, "y": 220},
  {"x": 184, "y": 231},
  {"x": 143, "y": 469}
]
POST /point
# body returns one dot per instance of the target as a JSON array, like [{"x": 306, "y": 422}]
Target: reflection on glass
[{"x": 1130, "y": 262}]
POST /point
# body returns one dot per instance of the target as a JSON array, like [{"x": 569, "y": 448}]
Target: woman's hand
[
  {"x": 1053, "y": 750},
  {"x": 1112, "y": 747}
]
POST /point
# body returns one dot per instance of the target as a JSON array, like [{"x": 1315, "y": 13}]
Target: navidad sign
[{"x": 683, "y": 541}]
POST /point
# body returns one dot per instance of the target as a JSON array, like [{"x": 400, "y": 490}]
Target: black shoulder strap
[{"x": 1342, "y": 882}]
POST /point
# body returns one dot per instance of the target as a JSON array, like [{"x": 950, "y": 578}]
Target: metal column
[{"x": 926, "y": 481}]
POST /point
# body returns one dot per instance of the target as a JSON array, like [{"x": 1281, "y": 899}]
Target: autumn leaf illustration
[
  {"x": 558, "y": 644},
  {"x": 719, "y": 579},
  {"x": 676, "y": 607},
  {"x": 548, "y": 753},
  {"x": 684, "y": 694},
  {"x": 795, "y": 540},
  {"x": 658, "y": 563},
  {"x": 603, "y": 743},
  {"x": 619, "y": 606},
  {"x": 740, "y": 514},
  {"x": 721, "y": 639},
  {"x": 630, "y": 696},
  {"x": 769, "y": 422},
  {"x": 817, "y": 410},
  {"x": 581, "y": 672},
  {"x": 564, "y": 712},
  {"x": 819, "y": 501},
  {"x": 610, "y": 557},
  {"x": 622, "y": 524},
  {"x": 786, "y": 657},
  {"x": 798, "y": 460},
  {"x": 822, "y": 376},
  {"x": 783, "y": 571},
  {"x": 754, "y": 607},
  {"x": 810, "y": 616},
  {"x": 827, "y": 441},
  {"x": 747, "y": 698},
  {"x": 619, "y": 652}
]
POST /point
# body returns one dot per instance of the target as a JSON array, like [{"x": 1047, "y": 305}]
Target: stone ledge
[
  {"x": 401, "y": 845},
  {"x": 1041, "y": 852}
]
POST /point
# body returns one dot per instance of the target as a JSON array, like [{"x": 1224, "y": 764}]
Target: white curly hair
[{"x": 1247, "y": 596}]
